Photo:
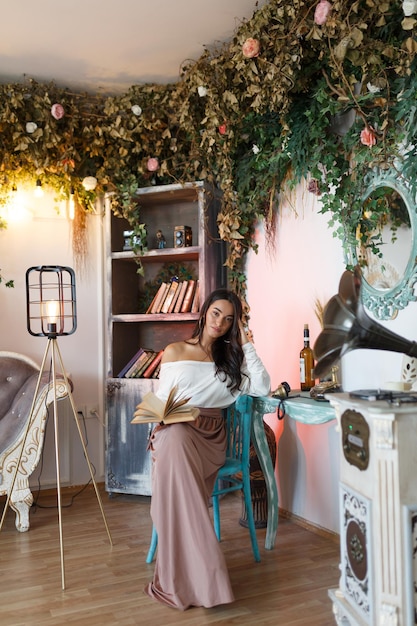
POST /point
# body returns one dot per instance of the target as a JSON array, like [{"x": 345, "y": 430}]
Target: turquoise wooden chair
[{"x": 234, "y": 475}]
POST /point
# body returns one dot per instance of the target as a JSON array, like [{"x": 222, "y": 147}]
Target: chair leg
[
  {"x": 152, "y": 547},
  {"x": 216, "y": 516},
  {"x": 251, "y": 521}
]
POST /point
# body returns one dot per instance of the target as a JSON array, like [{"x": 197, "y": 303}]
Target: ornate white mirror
[{"x": 387, "y": 244}]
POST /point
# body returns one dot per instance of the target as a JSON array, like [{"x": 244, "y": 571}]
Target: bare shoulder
[
  {"x": 182, "y": 351},
  {"x": 174, "y": 352}
]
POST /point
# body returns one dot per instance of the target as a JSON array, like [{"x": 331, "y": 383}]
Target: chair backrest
[
  {"x": 238, "y": 427},
  {"x": 15, "y": 371}
]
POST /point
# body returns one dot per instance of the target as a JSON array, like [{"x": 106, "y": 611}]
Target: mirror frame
[{"x": 386, "y": 304}]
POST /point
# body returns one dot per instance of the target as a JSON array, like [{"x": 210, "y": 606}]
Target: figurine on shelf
[{"x": 160, "y": 239}]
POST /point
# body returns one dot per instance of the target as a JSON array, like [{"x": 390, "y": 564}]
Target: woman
[{"x": 212, "y": 368}]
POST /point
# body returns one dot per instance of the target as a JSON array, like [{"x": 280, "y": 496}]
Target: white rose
[
  {"x": 202, "y": 91},
  {"x": 89, "y": 183},
  {"x": 31, "y": 127},
  {"x": 255, "y": 149},
  {"x": 372, "y": 88},
  {"x": 136, "y": 110},
  {"x": 409, "y": 7}
]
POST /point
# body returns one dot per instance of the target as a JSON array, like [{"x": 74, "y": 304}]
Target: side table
[{"x": 299, "y": 407}]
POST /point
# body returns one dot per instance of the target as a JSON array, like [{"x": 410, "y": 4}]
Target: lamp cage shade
[{"x": 51, "y": 302}]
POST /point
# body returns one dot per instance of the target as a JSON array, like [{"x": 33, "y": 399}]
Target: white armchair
[{"x": 18, "y": 379}]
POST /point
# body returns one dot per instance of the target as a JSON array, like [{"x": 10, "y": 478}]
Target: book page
[
  {"x": 150, "y": 409},
  {"x": 153, "y": 409}
]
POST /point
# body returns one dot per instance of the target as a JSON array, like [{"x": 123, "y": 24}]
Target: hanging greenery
[{"x": 321, "y": 91}]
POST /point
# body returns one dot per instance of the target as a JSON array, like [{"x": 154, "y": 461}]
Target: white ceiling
[{"x": 109, "y": 45}]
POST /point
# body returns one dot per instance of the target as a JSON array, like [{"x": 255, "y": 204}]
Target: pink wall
[{"x": 283, "y": 285}]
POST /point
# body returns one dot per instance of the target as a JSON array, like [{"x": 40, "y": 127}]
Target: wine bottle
[{"x": 306, "y": 363}]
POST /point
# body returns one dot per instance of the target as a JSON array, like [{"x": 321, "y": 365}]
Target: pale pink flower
[
  {"x": 313, "y": 186},
  {"x": 152, "y": 164},
  {"x": 368, "y": 137},
  {"x": 251, "y": 48},
  {"x": 322, "y": 12},
  {"x": 57, "y": 111}
]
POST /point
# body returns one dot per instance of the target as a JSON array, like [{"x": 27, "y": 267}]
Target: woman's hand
[{"x": 243, "y": 336}]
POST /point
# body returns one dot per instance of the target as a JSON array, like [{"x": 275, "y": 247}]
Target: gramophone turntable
[
  {"x": 377, "y": 485},
  {"x": 394, "y": 397}
]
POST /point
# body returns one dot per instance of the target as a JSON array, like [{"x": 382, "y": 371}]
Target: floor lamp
[{"x": 51, "y": 313}]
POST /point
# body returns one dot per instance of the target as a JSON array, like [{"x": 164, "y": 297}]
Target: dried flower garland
[{"x": 253, "y": 117}]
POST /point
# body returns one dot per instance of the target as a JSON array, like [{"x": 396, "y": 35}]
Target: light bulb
[
  {"x": 50, "y": 310},
  {"x": 71, "y": 205},
  {"x": 38, "y": 193}
]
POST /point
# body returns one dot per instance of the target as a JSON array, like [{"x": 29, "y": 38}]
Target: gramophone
[{"x": 346, "y": 326}]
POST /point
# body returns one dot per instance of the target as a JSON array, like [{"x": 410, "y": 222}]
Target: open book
[{"x": 153, "y": 409}]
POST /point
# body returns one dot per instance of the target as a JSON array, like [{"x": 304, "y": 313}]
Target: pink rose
[
  {"x": 222, "y": 129},
  {"x": 251, "y": 48},
  {"x": 152, "y": 164},
  {"x": 313, "y": 187},
  {"x": 322, "y": 12},
  {"x": 57, "y": 111},
  {"x": 368, "y": 137}
]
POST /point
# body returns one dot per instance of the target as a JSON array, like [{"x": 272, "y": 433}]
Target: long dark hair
[{"x": 227, "y": 350}]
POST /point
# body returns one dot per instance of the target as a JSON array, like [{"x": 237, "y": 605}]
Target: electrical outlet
[{"x": 92, "y": 411}]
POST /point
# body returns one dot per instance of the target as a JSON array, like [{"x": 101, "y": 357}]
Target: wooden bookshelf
[{"x": 130, "y": 327}]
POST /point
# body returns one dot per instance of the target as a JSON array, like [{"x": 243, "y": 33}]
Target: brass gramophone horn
[{"x": 346, "y": 326}]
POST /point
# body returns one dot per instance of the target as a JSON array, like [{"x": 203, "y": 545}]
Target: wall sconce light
[
  {"x": 51, "y": 312},
  {"x": 15, "y": 208},
  {"x": 38, "y": 193}
]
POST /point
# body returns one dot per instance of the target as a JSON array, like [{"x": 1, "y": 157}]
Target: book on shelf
[
  {"x": 143, "y": 355},
  {"x": 173, "y": 288},
  {"x": 156, "y": 372},
  {"x": 188, "y": 298},
  {"x": 153, "y": 365},
  {"x": 143, "y": 358},
  {"x": 180, "y": 299},
  {"x": 154, "y": 299},
  {"x": 159, "y": 298},
  {"x": 128, "y": 365},
  {"x": 175, "y": 298},
  {"x": 153, "y": 409},
  {"x": 195, "y": 307},
  {"x": 144, "y": 364}
]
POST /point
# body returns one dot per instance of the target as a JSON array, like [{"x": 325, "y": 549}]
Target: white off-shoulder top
[{"x": 197, "y": 380}]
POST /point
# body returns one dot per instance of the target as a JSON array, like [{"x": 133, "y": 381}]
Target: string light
[
  {"x": 38, "y": 193},
  {"x": 71, "y": 204}
]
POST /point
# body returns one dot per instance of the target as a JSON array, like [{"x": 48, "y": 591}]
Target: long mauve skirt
[{"x": 190, "y": 569}]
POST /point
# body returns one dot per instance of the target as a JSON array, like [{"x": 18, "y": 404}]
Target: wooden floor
[{"x": 104, "y": 584}]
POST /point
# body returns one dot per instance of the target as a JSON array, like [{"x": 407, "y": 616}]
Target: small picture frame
[{"x": 130, "y": 240}]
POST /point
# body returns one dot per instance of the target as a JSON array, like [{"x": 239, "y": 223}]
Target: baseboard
[
  {"x": 67, "y": 489},
  {"x": 314, "y": 528}
]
